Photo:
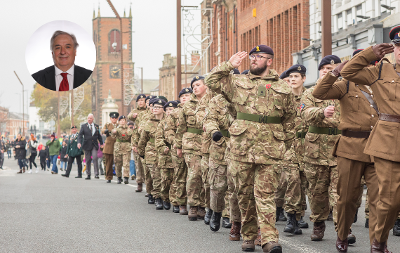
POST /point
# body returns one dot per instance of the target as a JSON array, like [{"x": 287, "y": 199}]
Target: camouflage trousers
[
  {"x": 205, "y": 159},
  {"x": 166, "y": 181},
  {"x": 256, "y": 185},
  {"x": 179, "y": 194},
  {"x": 297, "y": 184},
  {"x": 139, "y": 168},
  {"x": 280, "y": 192},
  {"x": 122, "y": 160},
  {"x": 218, "y": 186},
  {"x": 231, "y": 196},
  {"x": 147, "y": 177},
  {"x": 156, "y": 177},
  {"x": 322, "y": 188},
  {"x": 194, "y": 185}
]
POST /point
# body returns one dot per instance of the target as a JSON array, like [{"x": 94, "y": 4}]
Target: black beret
[
  {"x": 245, "y": 72},
  {"x": 114, "y": 114},
  {"x": 178, "y": 101},
  {"x": 283, "y": 75},
  {"x": 140, "y": 96},
  {"x": 152, "y": 101},
  {"x": 236, "y": 72},
  {"x": 162, "y": 97},
  {"x": 329, "y": 59},
  {"x": 172, "y": 104},
  {"x": 357, "y": 51},
  {"x": 149, "y": 97},
  {"x": 297, "y": 68},
  {"x": 121, "y": 117},
  {"x": 394, "y": 35},
  {"x": 262, "y": 49},
  {"x": 73, "y": 127},
  {"x": 196, "y": 78},
  {"x": 158, "y": 101},
  {"x": 185, "y": 91}
]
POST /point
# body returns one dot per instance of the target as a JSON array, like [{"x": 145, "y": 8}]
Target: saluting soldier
[
  {"x": 122, "y": 149},
  {"x": 259, "y": 136},
  {"x": 108, "y": 150},
  {"x": 383, "y": 142}
]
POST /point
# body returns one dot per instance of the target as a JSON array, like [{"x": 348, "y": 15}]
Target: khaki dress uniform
[{"x": 108, "y": 150}]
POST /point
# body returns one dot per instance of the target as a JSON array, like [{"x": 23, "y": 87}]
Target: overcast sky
[{"x": 154, "y": 23}]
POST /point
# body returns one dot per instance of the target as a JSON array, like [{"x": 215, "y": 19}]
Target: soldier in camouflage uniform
[
  {"x": 133, "y": 115},
  {"x": 122, "y": 148},
  {"x": 165, "y": 159},
  {"x": 259, "y": 138},
  {"x": 188, "y": 141},
  {"x": 322, "y": 116},
  {"x": 179, "y": 200},
  {"x": 147, "y": 149}
]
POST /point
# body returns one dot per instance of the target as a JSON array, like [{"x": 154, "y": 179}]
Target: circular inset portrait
[{"x": 60, "y": 55}]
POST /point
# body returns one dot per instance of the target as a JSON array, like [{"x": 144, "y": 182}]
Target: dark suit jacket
[
  {"x": 47, "y": 77},
  {"x": 89, "y": 140}
]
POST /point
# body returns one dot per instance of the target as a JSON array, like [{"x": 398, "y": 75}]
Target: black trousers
[
  {"x": 78, "y": 161},
  {"x": 32, "y": 160}
]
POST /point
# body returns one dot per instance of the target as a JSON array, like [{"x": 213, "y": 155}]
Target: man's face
[
  {"x": 158, "y": 109},
  {"x": 122, "y": 122},
  {"x": 325, "y": 69},
  {"x": 185, "y": 97},
  {"x": 296, "y": 80},
  {"x": 64, "y": 52},
  {"x": 90, "y": 119},
  {"x": 73, "y": 131},
  {"x": 169, "y": 110},
  {"x": 259, "y": 63},
  {"x": 113, "y": 120},
  {"x": 141, "y": 102},
  {"x": 397, "y": 54},
  {"x": 199, "y": 88}
]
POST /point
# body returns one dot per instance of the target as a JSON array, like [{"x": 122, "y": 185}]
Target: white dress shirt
[
  {"x": 93, "y": 129},
  {"x": 70, "y": 77}
]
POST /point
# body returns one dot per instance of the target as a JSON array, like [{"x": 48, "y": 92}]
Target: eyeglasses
[
  {"x": 257, "y": 57},
  {"x": 157, "y": 107}
]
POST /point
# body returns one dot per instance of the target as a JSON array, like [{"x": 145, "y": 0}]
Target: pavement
[{"x": 41, "y": 212}]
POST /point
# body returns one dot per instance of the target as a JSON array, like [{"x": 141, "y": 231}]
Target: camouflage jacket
[
  {"x": 201, "y": 113},
  {"x": 219, "y": 118},
  {"x": 251, "y": 141},
  {"x": 319, "y": 147},
  {"x": 141, "y": 119},
  {"x": 189, "y": 119},
  {"x": 171, "y": 125},
  {"x": 146, "y": 145},
  {"x": 137, "y": 110},
  {"x": 123, "y": 136},
  {"x": 164, "y": 160}
]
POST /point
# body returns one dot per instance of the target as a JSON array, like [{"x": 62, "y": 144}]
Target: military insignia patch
[
  {"x": 332, "y": 62},
  {"x": 187, "y": 90},
  {"x": 197, "y": 77},
  {"x": 268, "y": 85},
  {"x": 301, "y": 106},
  {"x": 299, "y": 68},
  {"x": 170, "y": 104},
  {"x": 258, "y": 49},
  {"x": 159, "y": 101},
  {"x": 141, "y": 96}
]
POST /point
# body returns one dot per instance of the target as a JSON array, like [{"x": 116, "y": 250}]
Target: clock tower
[{"x": 107, "y": 73}]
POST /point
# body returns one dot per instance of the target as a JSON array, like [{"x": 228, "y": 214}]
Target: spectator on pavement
[
  {"x": 54, "y": 149},
  {"x": 63, "y": 156},
  {"x": 20, "y": 152},
  {"x": 48, "y": 158},
  {"x": 32, "y": 146},
  {"x": 43, "y": 157},
  {"x": 8, "y": 147}
]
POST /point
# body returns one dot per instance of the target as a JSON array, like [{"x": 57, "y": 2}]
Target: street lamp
[
  {"x": 23, "y": 109},
  {"x": 141, "y": 82}
]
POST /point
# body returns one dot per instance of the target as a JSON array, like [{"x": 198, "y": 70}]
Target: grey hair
[
  {"x": 91, "y": 114},
  {"x": 58, "y": 32}
]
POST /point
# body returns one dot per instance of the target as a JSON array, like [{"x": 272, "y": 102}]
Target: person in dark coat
[
  {"x": 47, "y": 157},
  {"x": 63, "y": 158},
  {"x": 20, "y": 152},
  {"x": 43, "y": 157},
  {"x": 73, "y": 152}
]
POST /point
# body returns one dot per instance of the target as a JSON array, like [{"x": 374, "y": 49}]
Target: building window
[
  {"x": 340, "y": 21},
  {"x": 359, "y": 12},
  {"x": 349, "y": 20},
  {"x": 114, "y": 41}
]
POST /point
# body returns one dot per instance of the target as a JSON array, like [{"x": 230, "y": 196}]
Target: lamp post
[
  {"x": 141, "y": 81},
  {"x": 23, "y": 109}
]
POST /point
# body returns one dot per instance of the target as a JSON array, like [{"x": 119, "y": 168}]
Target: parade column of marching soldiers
[{"x": 245, "y": 147}]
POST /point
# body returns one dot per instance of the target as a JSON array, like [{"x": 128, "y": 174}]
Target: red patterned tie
[{"x": 64, "y": 85}]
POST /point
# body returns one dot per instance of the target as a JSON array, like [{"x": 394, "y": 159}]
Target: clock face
[{"x": 115, "y": 72}]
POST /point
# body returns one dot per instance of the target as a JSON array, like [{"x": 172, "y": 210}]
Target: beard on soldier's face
[{"x": 258, "y": 70}]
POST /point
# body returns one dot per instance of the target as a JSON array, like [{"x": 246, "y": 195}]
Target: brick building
[
  {"x": 107, "y": 73},
  {"x": 239, "y": 25}
]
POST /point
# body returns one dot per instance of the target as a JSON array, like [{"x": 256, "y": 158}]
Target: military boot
[
  {"x": 183, "y": 210},
  {"x": 119, "y": 180},
  {"x": 139, "y": 187},
  {"x": 215, "y": 222},
  {"x": 201, "y": 213},
  {"x": 280, "y": 215},
  {"x": 366, "y": 225},
  {"x": 207, "y": 218},
  {"x": 159, "y": 204},
  {"x": 175, "y": 209},
  {"x": 193, "y": 213},
  {"x": 234, "y": 234},
  {"x": 151, "y": 199},
  {"x": 166, "y": 205},
  {"x": 302, "y": 223},
  {"x": 272, "y": 247},
  {"x": 226, "y": 223},
  {"x": 351, "y": 239},
  {"x": 126, "y": 180},
  {"x": 258, "y": 240},
  {"x": 292, "y": 226},
  {"x": 330, "y": 216},
  {"x": 356, "y": 216},
  {"x": 318, "y": 231},
  {"x": 396, "y": 228},
  {"x": 248, "y": 246}
]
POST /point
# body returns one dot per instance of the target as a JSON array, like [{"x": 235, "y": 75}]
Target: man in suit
[
  {"x": 73, "y": 152},
  {"x": 91, "y": 135},
  {"x": 64, "y": 75},
  {"x": 108, "y": 150}
]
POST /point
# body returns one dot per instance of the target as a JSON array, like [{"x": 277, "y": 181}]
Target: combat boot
[
  {"x": 175, "y": 209},
  {"x": 201, "y": 213},
  {"x": 234, "y": 234},
  {"x": 258, "y": 240},
  {"x": 193, "y": 213},
  {"x": 292, "y": 226},
  {"x": 226, "y": 223},
  {"x": 318, "y": 231},
  {"x": 215, "y": 222},
  {"x": 139, "y": 187},
  {"x": 280, "y": 215},
  {"x": 151, "y": 199},
  {"x": 272, "y": 247},
  {"x": 207, "y": 218},
  {"x": 356, "y": 216},
  {"x": 183, "y": 210},
  {"x": 330, "y": 216},
  {"x": 396, "y": 228},
  {"x": 119, "y": 180},
  {"x": 166, "y": 205},
  {"x": 302, "y": 223},
  {"x": 126, "y": 180},
  {"x": 351, "y": 239},
  {"x": 159, "y": 204},
  {"x": 366, "y": 225},
  {"x": 248, "y": 246}
]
